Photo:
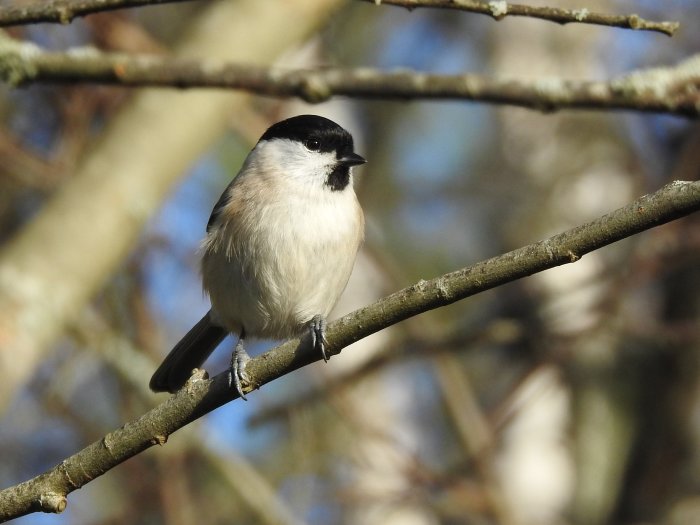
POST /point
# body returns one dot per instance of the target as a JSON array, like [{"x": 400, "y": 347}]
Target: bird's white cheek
[{"x": 291, "y": 161}]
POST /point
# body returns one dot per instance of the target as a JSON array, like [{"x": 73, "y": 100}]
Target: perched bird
[{"x": 280, "y": 245}]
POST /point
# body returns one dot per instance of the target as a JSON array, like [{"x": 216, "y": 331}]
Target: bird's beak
[{"x": 351, "y": 159}]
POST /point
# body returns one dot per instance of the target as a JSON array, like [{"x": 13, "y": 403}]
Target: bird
[{"x": 279, "y": 247}]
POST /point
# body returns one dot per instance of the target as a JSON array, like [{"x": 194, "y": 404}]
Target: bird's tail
[{"x": 189, "y": 353}]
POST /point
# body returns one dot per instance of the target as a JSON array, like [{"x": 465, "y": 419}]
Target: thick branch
[
  {"x": 672, "y": 90},
  {"x": 48, "y": 491},
  {"x": 499, "y": 9},
  {"x": 64, "y": 11}
]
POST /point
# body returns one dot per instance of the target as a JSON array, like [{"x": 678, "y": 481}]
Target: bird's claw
[
  {"x": 317, "y": 329},
  {"x": 237, "y": 376}
]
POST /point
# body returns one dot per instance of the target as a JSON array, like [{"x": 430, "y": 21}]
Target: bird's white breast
[{"x": 281, "y": 253}]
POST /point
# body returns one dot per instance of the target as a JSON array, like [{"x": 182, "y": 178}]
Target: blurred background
[{"x": 571, "y": 397}]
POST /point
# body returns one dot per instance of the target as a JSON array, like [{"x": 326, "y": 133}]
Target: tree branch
[
  {"x": 48, "y": 491},
  {"x": 500, "y": 9},
  {"x": 64, "y": 11},
  {"x": 672, "y": 90}
]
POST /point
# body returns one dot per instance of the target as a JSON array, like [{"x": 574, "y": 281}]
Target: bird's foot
[
  {"x": 317, "y": 330},
  {"x": 237, "y": 376}
]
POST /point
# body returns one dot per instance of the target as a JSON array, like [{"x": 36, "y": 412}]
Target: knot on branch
[
  {"x": 65, "y": 14},
  {"x": 16, "y": 64},
  {"x": 558, "y": 254},
  {"x": 198, "y": 374},
  {"x": 499, "y": 9},
  {"x": 159, "y": 439},
  {"x": 314, "y": 89},
  {"x": 53, "y": 502},
  {"x": 580, "y": 14}
]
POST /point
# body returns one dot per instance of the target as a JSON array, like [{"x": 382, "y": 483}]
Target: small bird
[{"x": 280, "y": 245}]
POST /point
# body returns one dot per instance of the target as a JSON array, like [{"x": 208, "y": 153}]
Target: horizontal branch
[
  {"x": 64, "y": 11},
  {"x": 672, "y": 90},
  {"x": 499, "y": 9},
  {"x": 48, "y": 491}
]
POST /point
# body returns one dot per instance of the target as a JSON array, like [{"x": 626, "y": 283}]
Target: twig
[
  {"x": 64, "y": 11},
  {"x": 499, "y": 9},
  {"x": 48, "y": 491},
  {"x": 672, "y": 90}
]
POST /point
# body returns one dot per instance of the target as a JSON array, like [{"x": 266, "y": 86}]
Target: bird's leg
[
  {"x": 317, "y": 329},
  {"x": 237, "y": 375}
]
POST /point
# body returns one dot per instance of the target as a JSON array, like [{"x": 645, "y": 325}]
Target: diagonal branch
[
  {"x": 672, "y": 90},
  {"x": 499, "y": 9},
  {"x": 48, "y": 491}
]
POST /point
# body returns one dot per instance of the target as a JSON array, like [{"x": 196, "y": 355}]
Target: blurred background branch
[
  {"x": 64, "y": 11},
  {"x": 499, "y": 10},
  {"x": 672, "y": 90}
]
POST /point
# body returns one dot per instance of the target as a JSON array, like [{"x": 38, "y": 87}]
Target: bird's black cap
[{"x": 315, "y": 132}]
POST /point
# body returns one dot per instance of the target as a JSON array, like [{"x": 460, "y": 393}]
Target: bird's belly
[{"x": 282, "y": 272}]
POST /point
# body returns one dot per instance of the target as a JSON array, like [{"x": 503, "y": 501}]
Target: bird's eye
[{"x": 313, "y": 144}]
